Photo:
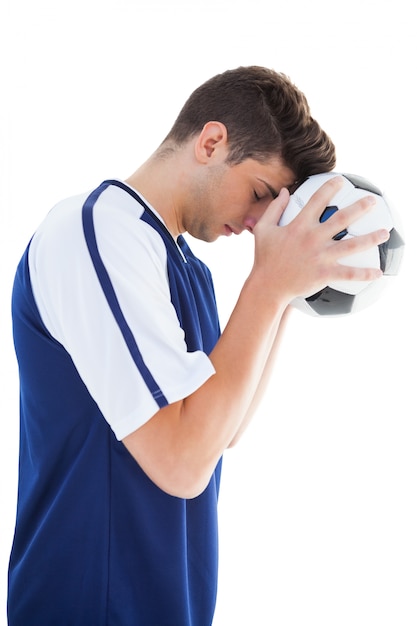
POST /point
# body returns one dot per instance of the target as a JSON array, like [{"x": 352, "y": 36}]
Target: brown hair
[{"x": 266, "y": 116}]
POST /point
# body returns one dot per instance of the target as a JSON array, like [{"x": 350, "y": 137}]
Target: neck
[{"x": 158, "y": 181}]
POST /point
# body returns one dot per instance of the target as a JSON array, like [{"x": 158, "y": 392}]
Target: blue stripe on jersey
[{"x": 110, "y": 294}]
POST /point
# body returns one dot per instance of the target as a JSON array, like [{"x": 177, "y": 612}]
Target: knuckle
[{"x": 349, "y": 273}]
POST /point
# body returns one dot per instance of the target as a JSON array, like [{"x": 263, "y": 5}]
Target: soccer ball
[{"x": 345, "y": 297}]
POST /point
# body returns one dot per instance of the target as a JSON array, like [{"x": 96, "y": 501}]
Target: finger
[
  {"x": 341, "y": 220},
  {"x": 349, "y": 273},
  {"x": 355, "y": 245},
  {"x": 337, "y": 255},
  {"x": 322, "y": 198}
]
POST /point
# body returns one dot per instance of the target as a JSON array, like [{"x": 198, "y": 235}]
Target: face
[{"x": 228, "y": 199}]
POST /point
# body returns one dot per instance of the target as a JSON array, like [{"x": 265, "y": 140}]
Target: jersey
[{"x": 112, "y": 320}]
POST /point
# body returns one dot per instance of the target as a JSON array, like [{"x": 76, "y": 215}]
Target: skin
[{"x": 195, "y": 190}]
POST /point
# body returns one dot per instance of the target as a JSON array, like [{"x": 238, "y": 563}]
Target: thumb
[{"x": 277, "y": 207}]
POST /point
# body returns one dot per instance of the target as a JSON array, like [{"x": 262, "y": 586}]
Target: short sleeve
[{"x": 76, "y": 311}]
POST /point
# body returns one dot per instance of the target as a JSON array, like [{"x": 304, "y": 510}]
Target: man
[{"x": 129, "y": 394}]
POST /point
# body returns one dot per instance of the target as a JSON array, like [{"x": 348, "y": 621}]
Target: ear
[{"x": 212, "y": 141}]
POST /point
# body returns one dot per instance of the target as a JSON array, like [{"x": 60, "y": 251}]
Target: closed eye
[{"x": 272, "y": 191}]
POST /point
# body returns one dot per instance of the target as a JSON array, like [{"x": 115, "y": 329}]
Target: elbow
[
  {"x": 178, "y": 466},
  {"x": 177, "y": 476},
  {"x": 187, "y": 486}
]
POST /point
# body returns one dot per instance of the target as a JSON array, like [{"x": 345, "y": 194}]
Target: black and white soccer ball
[{"x": 345, "y": 297}]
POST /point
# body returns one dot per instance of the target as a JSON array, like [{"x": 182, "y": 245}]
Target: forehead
[{"x": 273, "y": 172}]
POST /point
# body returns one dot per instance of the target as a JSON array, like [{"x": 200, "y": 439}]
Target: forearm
[
  {"x": 265, "y": 378},
  {"x": 243, "y": 359}
]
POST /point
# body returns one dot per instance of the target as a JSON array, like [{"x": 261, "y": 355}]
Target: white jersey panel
[{"x": 75, "y": 311}]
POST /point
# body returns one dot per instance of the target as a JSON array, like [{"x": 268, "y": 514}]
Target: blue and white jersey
[{"x": 113, "y": 319}]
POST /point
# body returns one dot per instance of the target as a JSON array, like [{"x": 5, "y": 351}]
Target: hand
[{"x": 302, "y": 257}]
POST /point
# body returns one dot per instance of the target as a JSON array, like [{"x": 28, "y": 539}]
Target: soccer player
[{"x": 130, "y": 394}]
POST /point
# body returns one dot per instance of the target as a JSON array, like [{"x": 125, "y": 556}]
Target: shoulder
[{"x": 116, "y": 226}]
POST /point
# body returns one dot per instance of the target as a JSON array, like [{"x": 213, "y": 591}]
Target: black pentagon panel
[
  {"x": 329, "y": 301},
  {"x": 293, "y": 188},
  {"x": 328, "y": 212},
  {"x": 363, "y": 183},
  {"x": 391, "y": 253}
]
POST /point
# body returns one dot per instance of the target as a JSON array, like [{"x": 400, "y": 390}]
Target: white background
[{"x": 318, "y": 507}]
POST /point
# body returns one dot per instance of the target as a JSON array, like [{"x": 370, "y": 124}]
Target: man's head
[
  {"x": 239, "y": 139},
  {"x": 266, "y": 116}
]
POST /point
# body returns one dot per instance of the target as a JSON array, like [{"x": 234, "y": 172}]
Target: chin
[{"x": 204, "y": 235}]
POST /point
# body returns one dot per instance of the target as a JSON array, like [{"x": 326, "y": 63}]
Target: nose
[{"x": 250, "y": 222}]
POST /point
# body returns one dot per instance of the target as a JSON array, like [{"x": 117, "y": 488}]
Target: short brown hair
[{"x": 266, "y": 116}]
